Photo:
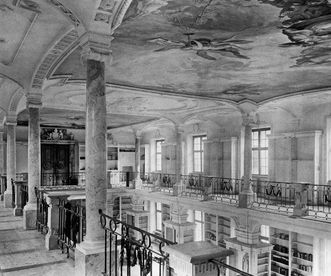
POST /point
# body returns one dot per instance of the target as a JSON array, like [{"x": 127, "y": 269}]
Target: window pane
[
  {"x": 196, "y": 143},
  {"x": 159, "y": 221},
  {"x": 264, "y": 139},
  {"x": 197, "y": 215},
  {"x": 197, "y": 162},
  {"x": 255, "y": 162},
  {"x": 158, "y": 162},
  {"x": 264, "y": 162},
  {"x": 260, "y": 151}
]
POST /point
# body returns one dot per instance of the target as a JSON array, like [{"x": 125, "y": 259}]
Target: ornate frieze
[{"x": 55, "y": 134}]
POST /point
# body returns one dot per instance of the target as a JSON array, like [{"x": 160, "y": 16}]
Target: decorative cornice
[
  {"x": 96, "y": 46},
  {"x": 11, "y": 119},
  {"x": 52, "y": 55}
]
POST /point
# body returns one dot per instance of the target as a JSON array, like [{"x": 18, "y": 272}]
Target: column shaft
[
  {"x": 1, "y": 153},
  {"x": 137, "y": 157},
  {"x": 11, "y": 163},
  {"x": 11, "y": 155},
  {"x": 178, "y": 156},
  {"x": 96, "y": 128},
  {"x": 248, "y": 159},
  {"x": 34, "y": 165}
]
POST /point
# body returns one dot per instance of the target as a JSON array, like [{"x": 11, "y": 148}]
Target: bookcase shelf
[
  {"x": 216, "y": 229},
  {"x": 297, "y": 258}
]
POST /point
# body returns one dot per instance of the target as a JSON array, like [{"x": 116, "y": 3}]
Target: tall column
[
  {"x": 138, "y": 182},
  {"x": 89, "y": 254},
  {"x": 34, "y": 163},
  {"x": 178, "y": 170},
  {"x": 11, "y": 159},
  {"x": 2, "y": 187},
  {"x": 1, "y": 152},
  {"x": 246, "y": 195}
]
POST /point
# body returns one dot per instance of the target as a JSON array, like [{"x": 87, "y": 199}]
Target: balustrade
[{"x": 62, "y": 179}]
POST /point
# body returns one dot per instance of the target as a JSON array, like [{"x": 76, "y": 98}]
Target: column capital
[
  {"x": 33, "y": 100},
  {"x": 11, "y": 119},
  {"x": 96, "y": 47}
]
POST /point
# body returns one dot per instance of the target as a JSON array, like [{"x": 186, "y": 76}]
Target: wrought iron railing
[
  {"x": 3, "y": 185},
  {"x": 72, "y": 225},
  {"x": 132, "y": 251},
  {"x": 271, "y": 193},
  {"x": 224, "y": 189},
  {"x": 150, "y": 178},
  {"x": 193, "y": 185},
  {"x": 42, "y": 211},
  {"x": 13, "y": 201},
  {"x": 24, "y": 195},
  {"x": 62, "y": 179},
  {"x": 167, "y": 180},
  {"x": 318, "y": 200}
]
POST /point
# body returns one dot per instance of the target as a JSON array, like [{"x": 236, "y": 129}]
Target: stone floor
[{"x": 23, "y": 253}]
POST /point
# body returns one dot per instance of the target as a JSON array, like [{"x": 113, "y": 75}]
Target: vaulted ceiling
[{"x": 169, "y": 57}]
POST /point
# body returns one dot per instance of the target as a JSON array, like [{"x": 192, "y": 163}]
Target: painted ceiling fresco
[{"x": 226, "y": 49}]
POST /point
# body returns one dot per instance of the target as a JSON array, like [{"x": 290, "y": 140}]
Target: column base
[
  {"x": 177, "y": 189},
  {"x": 89, "y": 258},
  {"x": 246, "y": 198},
  {"x": 30, "y": 216},
  {"x": 18, "y": 211},
  {"x": 8, "y": 200},
  {"x": 51, "y": 241},
  {"x": 138, "y": 183}
]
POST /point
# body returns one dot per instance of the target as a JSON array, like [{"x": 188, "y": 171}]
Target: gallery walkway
[{"x": 23, "y": 252}]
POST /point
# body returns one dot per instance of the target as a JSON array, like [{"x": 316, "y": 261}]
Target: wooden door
[{"x": 54, "y": 165}]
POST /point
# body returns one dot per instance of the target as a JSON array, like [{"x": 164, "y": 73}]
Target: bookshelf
[
  {"x": 292, "y": 254},
  {"x": 217, "y": 228}
]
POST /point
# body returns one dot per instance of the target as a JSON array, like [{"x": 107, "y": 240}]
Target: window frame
[
  {"x": 158, "y": 153},
  {"x": 158, "y": 211},
  {"x": 200, "y": 221},
  {"x": 260, "y": 149},
  {"x": 202, "y": 137}
]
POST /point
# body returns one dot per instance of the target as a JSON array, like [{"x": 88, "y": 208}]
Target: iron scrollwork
[{"x": 136, "y": 246}]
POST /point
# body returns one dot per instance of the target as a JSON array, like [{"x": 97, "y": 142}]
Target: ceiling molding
[
  {"x": 296, "y": 94},
  {"x": 14, "y": 101},
  {"x": 52, "y": 55},
  {"x": 20, "y": 44},
  {"x": 67, "y": 12}
]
